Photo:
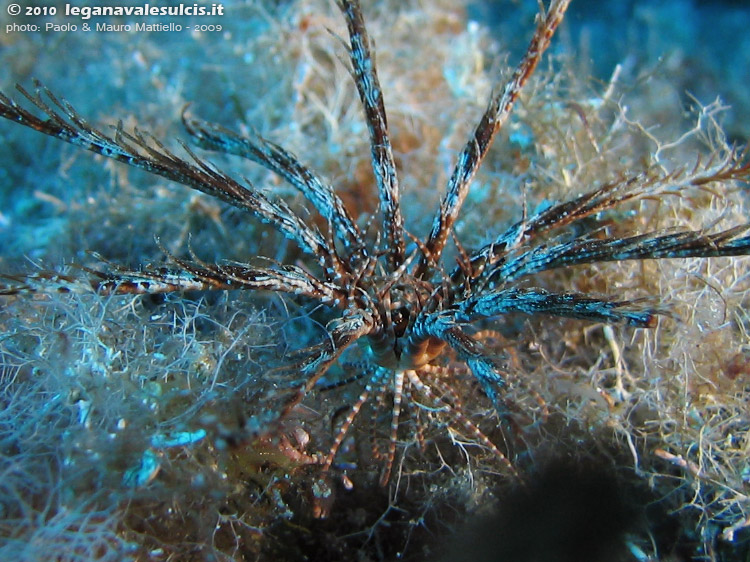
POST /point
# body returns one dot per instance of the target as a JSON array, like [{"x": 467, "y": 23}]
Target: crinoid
[{"x": 418, "y": 305}]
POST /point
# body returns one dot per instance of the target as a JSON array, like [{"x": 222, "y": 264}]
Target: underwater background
[{"x": 89, "y": 384}]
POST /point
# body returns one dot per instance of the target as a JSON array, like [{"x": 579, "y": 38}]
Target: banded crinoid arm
[
  {"x": 353, "y": 325},
  {"x": 444, "y": 325},
  {"x": 286, "y": 165},
  {"x": 522, "y": 249},
  {"x": 733, "y": 167},
  {"x": 143, "y": 151},
  {"x": 187, "y": 276},
  {"x": 568, "y": 305},
  {"x": 497, "y": 113},
  {"x": 490, "y": 301},
  {"x": 383, "y": 164},
  {"x": 494, "y": 271},
  {"x": 654, "y": 245}
]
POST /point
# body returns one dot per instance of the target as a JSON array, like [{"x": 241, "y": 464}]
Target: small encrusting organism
[{"x": 422, "y": 307}]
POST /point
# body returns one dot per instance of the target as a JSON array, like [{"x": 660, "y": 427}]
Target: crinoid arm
[
  {"x": 497, "y": 113},
  {"x": 383, "y": 164},
  {"x": 317, "y": 359},
  {"x": 145, "y": 152},
  {"x": 444, "y": 326},
  {"x": 513, "y": 254},
  {"x": 113, "y": 279},
  {"x": 568, "y": 305},
  {"x": 286, "y": 165}
]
